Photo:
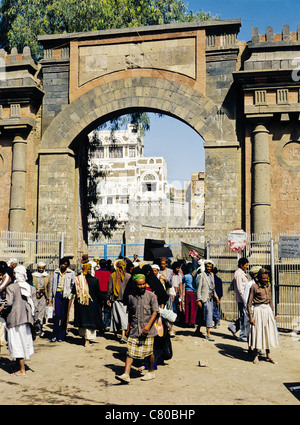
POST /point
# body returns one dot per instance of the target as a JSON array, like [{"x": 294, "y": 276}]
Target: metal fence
[
  {"x": 286, "y": 277},
  {"x": 114, "y": 250},
  {"x": 262, "y": 250},
  {"x": 31, "y": 248}
]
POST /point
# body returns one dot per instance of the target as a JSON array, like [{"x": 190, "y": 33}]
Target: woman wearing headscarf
[
  {"x": 20, "y": 305},
  {"x": 155, "y": 285},
  {"x": 87, "y": 302},
  {"x": 162, "y": 345},
  {"x": 116, "y": 287}
]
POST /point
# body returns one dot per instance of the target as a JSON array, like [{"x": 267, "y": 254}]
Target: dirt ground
[{"x": 66, "y": 373}]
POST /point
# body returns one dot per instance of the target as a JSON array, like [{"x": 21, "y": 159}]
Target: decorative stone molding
[
  {"x": 177, "y": 100},
  {"x": 290, "y": 162},
  {"x": 3, "y": 163}
]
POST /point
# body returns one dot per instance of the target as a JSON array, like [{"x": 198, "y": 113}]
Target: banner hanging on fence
[
  {"x": 155, "y": 248},
  {"x": 237, "y": 240},
  {"x": 188, "y": 251}
]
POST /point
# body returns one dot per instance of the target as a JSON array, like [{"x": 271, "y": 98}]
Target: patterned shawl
[
  {"x": 118, "y": 276},
  {"x": 82, "y": 287}
]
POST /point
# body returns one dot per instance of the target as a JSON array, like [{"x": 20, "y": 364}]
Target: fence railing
[
  {"x": 114, "y": 250},
  {"x": 31, "y": 248},
  {"x": 263, "y": 250}
]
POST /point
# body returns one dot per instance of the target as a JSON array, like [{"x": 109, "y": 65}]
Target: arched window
[{"x": 149, "y": 183}]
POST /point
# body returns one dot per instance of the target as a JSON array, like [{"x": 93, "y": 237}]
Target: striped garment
[{"x": 141, "y": 347}]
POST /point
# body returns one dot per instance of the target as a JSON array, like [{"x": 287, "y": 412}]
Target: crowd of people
[{"x": 138, "y": 302}]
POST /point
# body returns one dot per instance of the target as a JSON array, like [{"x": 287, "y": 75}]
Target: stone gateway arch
[{"x": 198, "y": 73}]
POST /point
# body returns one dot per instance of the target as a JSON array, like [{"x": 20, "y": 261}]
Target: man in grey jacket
[
  {"x": 206, "y": 294},
  {"x": 19, "y": 306},
  {"x": 63, "y": 282}
]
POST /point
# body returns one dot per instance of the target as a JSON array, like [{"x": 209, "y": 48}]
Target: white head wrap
[{"x": 21, "y": 278}]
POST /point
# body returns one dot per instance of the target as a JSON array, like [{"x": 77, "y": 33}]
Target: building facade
[
  {"x": 135, "y": 187},
  {"x": 195, "y": 195},
  {"x": 241, "y": 97}
]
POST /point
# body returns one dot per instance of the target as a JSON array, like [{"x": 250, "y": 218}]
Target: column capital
[
  {"x": 20, "y": 138},
  {"x": 260, "y": 127}
]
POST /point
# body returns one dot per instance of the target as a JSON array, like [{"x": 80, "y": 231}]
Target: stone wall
[
  {"x": 178, "y": 89},
  {"x": 55, "y": 74},
  {"x": 270, "y": 117},
  {"x": 20, "y": 126},
  {"x": 241, "y": 98},
  {"x": 5, "y": 179}
]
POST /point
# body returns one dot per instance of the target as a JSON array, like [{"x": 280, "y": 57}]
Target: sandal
[
  {"x": 271, "y": 361},
  {"x": 18, "y": 375}
]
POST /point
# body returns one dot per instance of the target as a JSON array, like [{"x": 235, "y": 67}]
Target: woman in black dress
[{"x": 87, "y": 302}]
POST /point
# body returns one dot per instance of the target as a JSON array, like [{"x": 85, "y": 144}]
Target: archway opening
[{"x": 147, "y": 181}]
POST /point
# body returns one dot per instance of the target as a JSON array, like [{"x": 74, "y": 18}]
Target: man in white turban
[{"x": 19, "y": 304}]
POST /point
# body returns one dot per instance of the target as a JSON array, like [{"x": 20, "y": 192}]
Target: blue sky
[{"x": 181, "y": 147}]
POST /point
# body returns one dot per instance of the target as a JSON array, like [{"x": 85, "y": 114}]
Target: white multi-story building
[{"x": 135, "y": 187}]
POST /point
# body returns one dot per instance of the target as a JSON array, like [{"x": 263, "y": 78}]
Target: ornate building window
[
  {"x": 116, "y": 152},
  {"x": 131, "y": 152},
  {"x": 149, "y": 183},
  {"x": 99, "y": 152}
]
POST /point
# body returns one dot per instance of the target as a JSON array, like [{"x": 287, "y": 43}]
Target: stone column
[
  {"x": 17, "y": 205},
  {"x": 261, "y": 206}
]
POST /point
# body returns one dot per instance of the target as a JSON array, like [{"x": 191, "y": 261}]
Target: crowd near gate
[{"x": 279, "y": 253}]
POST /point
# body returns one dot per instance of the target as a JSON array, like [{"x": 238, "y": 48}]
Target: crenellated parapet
[
  {"x": 270, "y": 75},
  {"x": 20, "y": 90},
  {"x": 273, "y": 51},
  {"x": 270, "y": 37}
]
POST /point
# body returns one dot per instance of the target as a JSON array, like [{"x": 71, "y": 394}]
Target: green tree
[{"x": 21, "y": 21}]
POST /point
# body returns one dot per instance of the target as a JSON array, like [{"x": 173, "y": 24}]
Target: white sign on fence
[{"x": 289, "y": 246}]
